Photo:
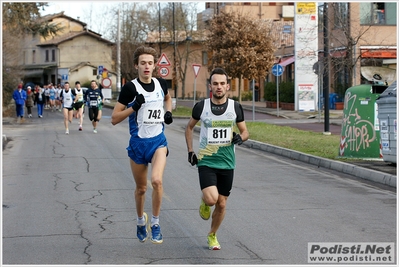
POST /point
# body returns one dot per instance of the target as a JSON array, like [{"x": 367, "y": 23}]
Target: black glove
[
  {"x": 168, "y": 117},
  {"x": 192, "y": 158},
  {"x": 138, "y": 102},
  {"x": 236, "y": 139}
]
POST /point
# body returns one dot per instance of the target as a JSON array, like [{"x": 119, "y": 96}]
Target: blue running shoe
[
  {"x": 142, "y": 233},
  {"x": 156, "y": 236}
]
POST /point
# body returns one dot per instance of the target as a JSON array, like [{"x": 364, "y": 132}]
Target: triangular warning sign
[
  {"x": 196, "y": 68},
  {"x": 163, "y": 60}
]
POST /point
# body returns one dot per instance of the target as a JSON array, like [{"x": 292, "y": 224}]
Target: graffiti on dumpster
[{"x": 358, "y": 133}]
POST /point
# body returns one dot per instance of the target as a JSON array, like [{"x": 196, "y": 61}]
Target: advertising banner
[{"x": 306, "y": 55}]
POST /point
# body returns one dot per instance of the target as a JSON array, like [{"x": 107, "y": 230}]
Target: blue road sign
[
  {"x": 100, "y": 69},
  {"x": 277, "y": 70}
]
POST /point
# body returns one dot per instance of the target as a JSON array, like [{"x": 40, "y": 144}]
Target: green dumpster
[{"x": 360, "y": 133}]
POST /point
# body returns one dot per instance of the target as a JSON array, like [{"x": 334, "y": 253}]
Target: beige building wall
[
  {"x": 280, "y": 13},
  {"x": 83, "y": 75},
  {"x": 380, "y": 37},
  {"x": 200, "y": 82},
  {"x": 84, "y": 49},
  {"x": 77, "y": 52},
  {"x": 376, "y": 36}
]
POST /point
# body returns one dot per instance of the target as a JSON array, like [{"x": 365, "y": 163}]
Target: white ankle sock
[
  {"x": 154, "y": 220},
  {"x": 141, "y": 220}
]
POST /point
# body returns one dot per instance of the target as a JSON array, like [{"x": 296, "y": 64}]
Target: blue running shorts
[{"x": 141, "y": 150}]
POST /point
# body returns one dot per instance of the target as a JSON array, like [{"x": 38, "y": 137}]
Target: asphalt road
[{"x": 68, "y": 199}]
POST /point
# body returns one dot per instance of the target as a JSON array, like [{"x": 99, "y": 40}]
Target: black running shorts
[
  {"x": 78, "y": 105},
  {"x": 222, "y": 179}
]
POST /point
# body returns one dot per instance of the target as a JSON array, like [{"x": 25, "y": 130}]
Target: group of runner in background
[{"x": 64, "y": 99}]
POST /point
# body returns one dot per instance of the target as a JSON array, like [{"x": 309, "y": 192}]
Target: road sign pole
[
  {"x": 277, "y": 70},
  {"x": 195, "y": 88},
  {"x": 196, "y": 68},
  {"x": 253, "y": 99},
  {"x": 277, "y": 97}
]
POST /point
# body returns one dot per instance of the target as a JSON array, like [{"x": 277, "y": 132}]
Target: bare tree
[
  {"x": 24, "y": 18},
  {"x": 19, "y": 19},
  {"x": 346, "y": 34},
  {"x": 137, "y": 20},
  {"x": 178, "y": 21},
  {"x": 241, "y": 45}
]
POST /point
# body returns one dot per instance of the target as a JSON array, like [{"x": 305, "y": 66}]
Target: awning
[
  {"x": 287, "y": 61},
  {"x": 378, "y": 53},
  {"x": 33, "y": 73},
  {"x": 338, "y": 53}
]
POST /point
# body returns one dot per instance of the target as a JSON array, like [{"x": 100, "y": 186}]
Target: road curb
[
  {"x": 357, "y": 171},
  {"x": 360, "y": 172}
]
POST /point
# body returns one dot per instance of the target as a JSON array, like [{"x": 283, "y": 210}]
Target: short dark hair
[
  {"x": 141, "y": 50},
  {"x": 77, "y": 82},
  {"x": 218, "y": 71}
]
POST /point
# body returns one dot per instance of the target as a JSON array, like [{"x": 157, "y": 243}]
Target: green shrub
[
  {"x": 270, "y": 91},
  {"x": 85, "y": 84},
  {"x": 246, "y": 95},
  {"x": 340, "y": 89},
  {"x": 287, "y": 92}
]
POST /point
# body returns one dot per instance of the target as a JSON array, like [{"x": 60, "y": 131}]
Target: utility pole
[
  {"x": 174, "y": 53},
  {"x": 159, "y": 28},
  {"x": 118, "y": 54},
  {"x": 326, "y": 77}
]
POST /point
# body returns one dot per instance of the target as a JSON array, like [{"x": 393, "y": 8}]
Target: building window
[
  {"x": 47, "y": 56},
  {"x": 94, "y": 72},
  {"x": 34, "y": 56},
  {"x": 245, "y": 82},
  {"x": 53, "y": 55},
  {"x": 169, "y": 83},
  {"x": 287, "y": 29},
  {"x": 378, "y": 13},
  {"x": 204, "y": 58},
  {"x": 320, "y": 18},
  {"x": 340, "y": 15},
  {"x": 233, "y": 84}
]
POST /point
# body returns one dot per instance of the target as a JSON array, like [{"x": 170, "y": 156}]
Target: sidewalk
[
  {"x": 335, "y": 116},
  {"x": 260, "y": 107},
  {"x": 360, "y": 170}
]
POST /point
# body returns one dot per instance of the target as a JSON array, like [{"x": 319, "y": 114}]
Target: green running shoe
[
  {"x": 213, "y": 242},
  {"x": 204, "y": 210}
]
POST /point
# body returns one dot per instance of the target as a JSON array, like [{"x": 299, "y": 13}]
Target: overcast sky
[
  {"x": 79, "y": 9},
  {"x": 74, "y": 9}
]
